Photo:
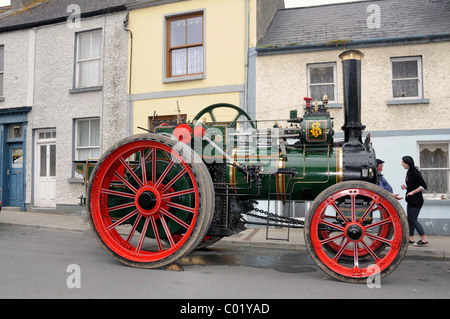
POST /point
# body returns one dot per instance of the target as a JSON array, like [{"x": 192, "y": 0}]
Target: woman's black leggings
[{"x": 413, "y": 214}]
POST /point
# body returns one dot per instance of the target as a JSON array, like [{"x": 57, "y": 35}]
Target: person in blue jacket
[{"x": 382, "y": 181}]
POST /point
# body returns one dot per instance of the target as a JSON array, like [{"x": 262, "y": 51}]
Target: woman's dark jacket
[{"x": 413, "y": 181}]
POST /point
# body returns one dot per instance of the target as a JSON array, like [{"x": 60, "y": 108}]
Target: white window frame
[
  {"x": 90, "y": 147},
  {"x": 167, "y": 78},
  {"x": 310, "y": 66},
  {"x": 419, "y": 77},
  {"x": 426, "y": 194},
  {"x": 78, "y": 61}
]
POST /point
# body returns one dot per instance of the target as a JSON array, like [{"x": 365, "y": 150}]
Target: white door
[{"x": 45, "y": 169}]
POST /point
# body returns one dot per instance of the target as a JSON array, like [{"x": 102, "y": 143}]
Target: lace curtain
[
  {"x": 321, "y": 79},
  {"x": 405, "y": 78},
  {"x": 435, "y": 167}
]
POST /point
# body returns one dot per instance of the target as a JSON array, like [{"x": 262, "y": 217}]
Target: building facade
[
  {"x": 77, "y": 76},
  {"x": 64, "y": 96},
  {"x": 188, "y": 55},
  {"x": 405, "y": 82}
]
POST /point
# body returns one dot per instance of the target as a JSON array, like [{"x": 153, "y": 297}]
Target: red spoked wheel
[
  {"x": 353, "y": 248},
  {"x": 151, "y": 200}
]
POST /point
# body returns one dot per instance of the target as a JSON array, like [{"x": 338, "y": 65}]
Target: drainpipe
[
  {"x": 247, "y": 41},
  {"x": 130, "y": 103}
]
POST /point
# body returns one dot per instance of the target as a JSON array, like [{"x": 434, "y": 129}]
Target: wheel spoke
[
  {"x": 156, "y": 232},
  {"x": 367, "y": 212},
  {"x": 384, "y": 240},
  {"x": 332, "y": 225},
  {"x": 370, "y": 251},
  {"x": 213, "y": 118},
  {"x": 167, "y": 230},
  {"x": 179, "y": 193},
  {"x": 380, "y": 223},
  {"x": 175, "y": 218},
  {"x": 174, "y": 180},
  {"x": 339, "y": 253},
  {"x": 149, "y": 152},
  {"x": 117, "y": 193},
  {"x": 143, "y": 168},
  {"x": 163, "y": 175},
  {"x": 131, "y": 171},
  {"x": 136, "y": 222},
  {"x": 355, "y": 255},
  {"x": 142, "y": 237},
  {"x": 236, "y": 118},
  {"x": 154, "y": 166},
  {"x": 353, "y": 197},
  {"x": 127, "y": 205},
  {"x": 123, "y": 180},
  {"x": 123, "y": 219},
  {"x": 330, "y": 239},
  {"x": 182, "y": 207},
  {"x": 339, "y": 213}
]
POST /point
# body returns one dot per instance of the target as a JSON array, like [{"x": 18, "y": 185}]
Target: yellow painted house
[{"x": 188, "y": 55}]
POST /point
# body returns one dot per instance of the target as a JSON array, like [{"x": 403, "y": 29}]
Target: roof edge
[
  {"x": 345, "y": 44},
  {"x": 149, "y": 3},
  {"x": 24, "y": 26}
]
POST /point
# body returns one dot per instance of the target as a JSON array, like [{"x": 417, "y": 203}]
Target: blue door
[{"x": 15, "y": 175}]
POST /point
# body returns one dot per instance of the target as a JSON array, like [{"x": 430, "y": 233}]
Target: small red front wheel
[
  {"x": 151, "y": 200},
  {"x": 367, "y": 238}
]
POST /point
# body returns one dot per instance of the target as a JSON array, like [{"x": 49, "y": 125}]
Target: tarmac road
[{"x": 39, "y": 263}]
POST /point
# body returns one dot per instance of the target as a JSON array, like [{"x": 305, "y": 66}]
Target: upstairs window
[
  {"x": 406, "y": 77},
  {"x": 185, "y": 46},
  {"x": 88, "y": 59},
  {"x": 321, "y": 81}
]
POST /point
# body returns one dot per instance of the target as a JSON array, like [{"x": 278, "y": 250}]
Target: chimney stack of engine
[{"x": 351, "y": 65}]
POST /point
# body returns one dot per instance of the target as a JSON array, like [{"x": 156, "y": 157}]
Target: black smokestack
[{"x": 351, "y": 65}]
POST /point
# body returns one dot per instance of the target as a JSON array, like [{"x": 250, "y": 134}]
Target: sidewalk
[{"x": 439, "y": 246}]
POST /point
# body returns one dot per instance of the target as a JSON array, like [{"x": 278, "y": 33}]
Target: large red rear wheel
[
  {"x": 362, "y": 244},
  {"x": 151, "y": 200}
]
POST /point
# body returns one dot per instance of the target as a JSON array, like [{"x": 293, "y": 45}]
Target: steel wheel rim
[
  {"x": 355, "y": 236},
  {"x": 152, "y": 201}
]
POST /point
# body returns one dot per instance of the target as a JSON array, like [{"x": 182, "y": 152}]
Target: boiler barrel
[{"x": 315, "y": 170}]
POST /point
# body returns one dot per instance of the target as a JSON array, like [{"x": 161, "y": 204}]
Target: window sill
[
  {"x": 408, "y": 101},
  {"x": 437, "y": 201},
  {"x": 184, "y": 78},
  {"x": 88, "y": 89}
]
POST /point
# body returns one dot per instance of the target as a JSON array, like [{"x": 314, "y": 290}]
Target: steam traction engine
[{"x": 154, "y": 198}]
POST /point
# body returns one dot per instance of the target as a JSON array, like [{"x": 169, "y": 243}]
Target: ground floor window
[
  {"x": 170, "y": 120},
  {"x": 87, "y": 139},
  {"x": 435, "y": 168}
]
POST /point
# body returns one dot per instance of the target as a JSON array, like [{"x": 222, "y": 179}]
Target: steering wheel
[{"x": 213, "y": 112}]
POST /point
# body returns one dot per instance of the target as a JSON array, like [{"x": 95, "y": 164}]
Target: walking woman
[{"x": 414, "y": 199}]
